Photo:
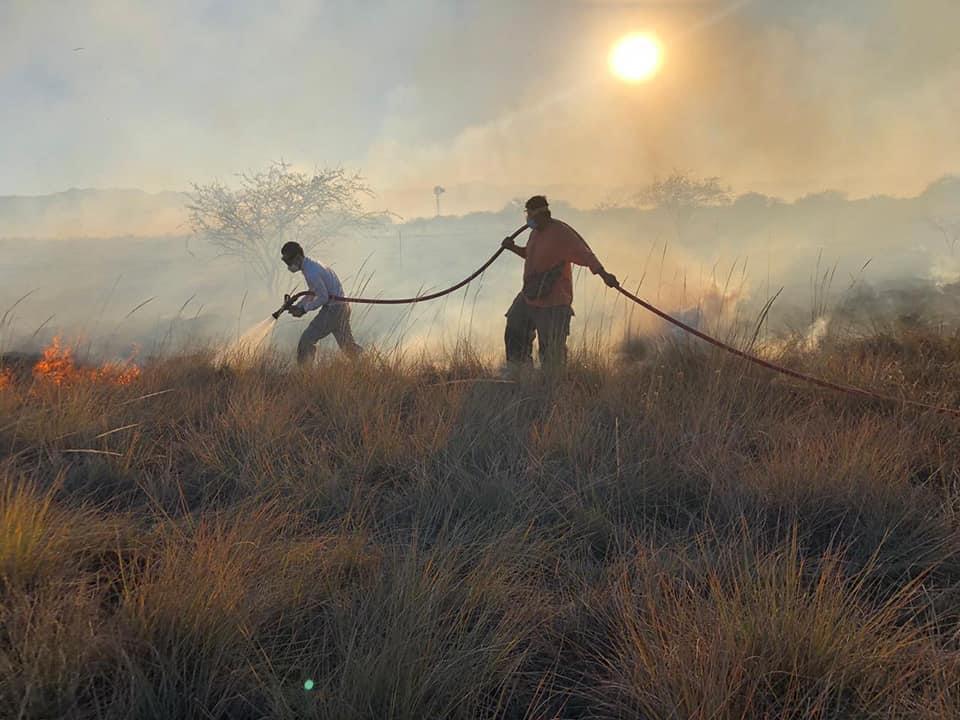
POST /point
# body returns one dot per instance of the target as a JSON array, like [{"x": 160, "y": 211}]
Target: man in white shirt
[{"x": 334, "y": 316}]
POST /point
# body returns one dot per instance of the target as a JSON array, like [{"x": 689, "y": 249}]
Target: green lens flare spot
[{"x": 308, "y": 685}]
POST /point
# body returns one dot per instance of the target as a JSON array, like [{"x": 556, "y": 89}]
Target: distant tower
[{"x": 438, "y": 191}]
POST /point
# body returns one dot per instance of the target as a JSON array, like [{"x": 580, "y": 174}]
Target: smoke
[
  {"x": 783, "y": 103},
  {"x": 88, "y": 213},
  {"x": 816, "y": 333}
]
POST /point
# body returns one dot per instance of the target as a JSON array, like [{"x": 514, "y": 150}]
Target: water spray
[{"x": 248, "y": 346}]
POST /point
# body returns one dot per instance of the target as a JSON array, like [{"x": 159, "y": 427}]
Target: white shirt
[{"x": 323, "y": 282}]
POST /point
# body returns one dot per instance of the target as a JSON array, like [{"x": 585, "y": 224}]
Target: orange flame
[
  {"x": 6, "y": 379},
  {"x": 117, "y": 374},
  {"x": 58, "y": 367}
]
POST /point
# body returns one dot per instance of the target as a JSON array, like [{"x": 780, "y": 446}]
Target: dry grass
[{"x": 678, "y": 538}]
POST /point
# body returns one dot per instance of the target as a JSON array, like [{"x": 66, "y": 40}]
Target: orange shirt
[{"x": 550, "y": 246}]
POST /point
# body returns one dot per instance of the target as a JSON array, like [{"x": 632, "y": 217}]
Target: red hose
[
  {"x": 421, "y": 298},
  {"x": 827, "y": 384},
  {"x": 849, "y": 389}
]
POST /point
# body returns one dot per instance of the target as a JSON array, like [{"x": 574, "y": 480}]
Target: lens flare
[{"x": 636, "y": 58}]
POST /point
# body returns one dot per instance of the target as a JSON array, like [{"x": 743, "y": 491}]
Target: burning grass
[
  {"x": 680, "y": 537},
  {"x": 57, "y": 366}
]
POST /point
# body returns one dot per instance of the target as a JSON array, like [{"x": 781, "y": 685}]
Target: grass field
[{"x": 682, "y": 537}]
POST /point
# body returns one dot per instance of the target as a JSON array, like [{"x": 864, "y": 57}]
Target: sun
[{"x": 636, "y": 58}]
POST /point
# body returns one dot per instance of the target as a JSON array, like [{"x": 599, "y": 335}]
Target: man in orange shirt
[{"x": 545, "y": 305}]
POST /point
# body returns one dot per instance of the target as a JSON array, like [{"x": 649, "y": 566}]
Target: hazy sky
[{"x": 782, "y": 96}]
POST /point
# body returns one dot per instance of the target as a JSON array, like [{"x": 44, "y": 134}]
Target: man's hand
[
  {"x": 508, "y": 243},
  {"x": 297, "y": 311},
  {"x": 610, "y": 279}
]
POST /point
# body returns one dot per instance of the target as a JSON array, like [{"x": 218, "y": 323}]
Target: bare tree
[
  {"x": 271, "y": 207},
  {"x": 950, "y": 229},
  {"x": 680, "y": 195}
]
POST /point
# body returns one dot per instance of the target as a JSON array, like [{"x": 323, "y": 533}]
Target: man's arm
[
  {"x": 580, "y": 253},
  {"x": 509, "y": 244},
  {"x": 320, "y": 297}
]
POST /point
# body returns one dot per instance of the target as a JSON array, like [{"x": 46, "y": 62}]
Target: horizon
[{"x": 510, "y": 200}]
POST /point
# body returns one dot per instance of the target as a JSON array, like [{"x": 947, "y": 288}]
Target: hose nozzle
[
  {"x": 283, "y": 308},
  {"x": 288, "y": 302}
]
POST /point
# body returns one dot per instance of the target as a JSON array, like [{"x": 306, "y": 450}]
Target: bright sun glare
[{"x": 635, "y": 58}]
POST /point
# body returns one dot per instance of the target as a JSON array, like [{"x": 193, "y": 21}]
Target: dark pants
[
  {"x": 330, "y": 319},
  {"x": 551, "y": 325}
]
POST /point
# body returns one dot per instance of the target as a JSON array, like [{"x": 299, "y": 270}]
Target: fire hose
[
  {"x": 422, "y": 298},
  {"x": 819, "y": 382},
  {"x": 432, "y": 296},
  {"x": 289, "y": 300}
]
